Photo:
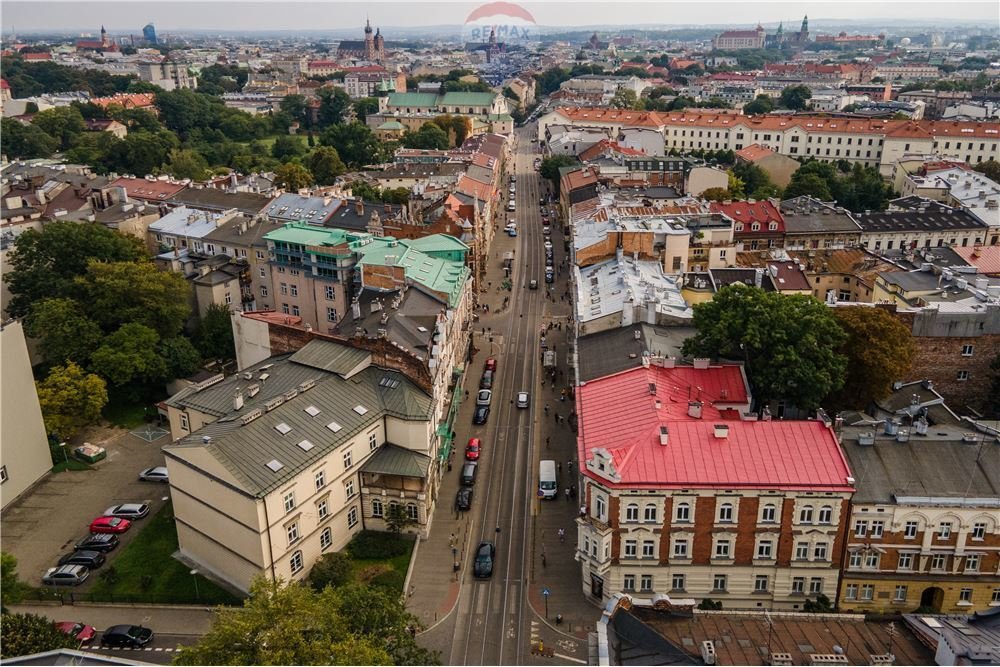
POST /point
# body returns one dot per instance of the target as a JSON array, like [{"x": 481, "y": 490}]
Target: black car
[
  {"x": 486, "y": 382},
  {"x": 481, "y": 415},
  {"x": 463, "y": 501},
  {"x": 103, "y": 542},
  {"x": 89, "y": 559},
  {"x": 550, "y": 277},
  {"x": 132, "y": 636},
  {"x": 482, "y": 567}
]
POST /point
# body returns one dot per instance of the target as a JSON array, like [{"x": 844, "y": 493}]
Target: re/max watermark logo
[
  {"x": 504, "y": 33},
  {"x": 505, "y": 20}
]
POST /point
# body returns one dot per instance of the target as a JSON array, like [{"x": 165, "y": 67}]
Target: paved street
[{"x": 500, "y": 620}]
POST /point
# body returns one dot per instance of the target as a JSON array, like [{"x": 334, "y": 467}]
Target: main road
[{"x": 492, "y": 616}]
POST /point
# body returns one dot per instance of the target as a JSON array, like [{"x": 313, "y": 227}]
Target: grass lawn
[
  {"x": 269, "y": 141},
  {"x": 146, "y": 569},
  {"x": 127, "y": 413},
  {"x": 387, "y": 571}
]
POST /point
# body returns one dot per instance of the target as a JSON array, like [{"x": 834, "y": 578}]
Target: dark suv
[
  {"x": 89, "y": 559},
  {"x": 103, "y": 542},
  {"x": 483, "y": 565}
]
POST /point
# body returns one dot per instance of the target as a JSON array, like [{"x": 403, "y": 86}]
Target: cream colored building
[
  {"x": 288, "y": 459},
  {"x": 24, "y": 452}
]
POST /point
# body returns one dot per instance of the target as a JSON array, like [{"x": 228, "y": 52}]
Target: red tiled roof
[
  {"x": 140, "y": 188},
  {"x": 473, "y": 188},
  {"x": 743, "y": 211},
  {"x": 986, "y": 259},
  {"x": 609, "y": 115},
  {"x": 37, "y": 56},
  {"x": 126, "y": 100},
  {"x": 272, "y": 317},
  {"x": 789, "y": 277},
  {"x": 618, "y": 414},
  {"x": 580, "y": 178},
  {"x": 607, "y": 146},
  {"x": 754, "y": 152}
]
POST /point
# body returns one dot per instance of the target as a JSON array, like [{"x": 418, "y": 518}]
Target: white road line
[{"x": 571, "y": 659}]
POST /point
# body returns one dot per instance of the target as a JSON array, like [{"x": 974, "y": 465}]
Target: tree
[
  {"x": 215, "y": 333},
  {"x": 26, "y": 141},
  {"x": 294, "y": 106},
  {"x": 716, "y": 194},
  {"x": 756, "y": 182},
  {"x": 334, "y": 569},
  {"x": 808, "y": 184},
  {"x": 789, "y": 343},
  {"x": 70, "y": 399},
  {"x": 288, "y": 624},
  {"x": 429, "y": 136},
  {"x": 460, "y": 126},
  {"x": 293, "y": 177},
  {"x": 286, "y": 146},
  {"x": 25, "y": 634},
  {"x": 365, "y": 106},
  {"x": 990, "y": 169},
  {"x": 130, "y": 356},
  {"x": 879, "y": 350},
  {"x": 762, "y": 104},
  {"x": 64, "y": 124},
  {"x": 708, "y": 604},
  {"x": 625, "y": 98},
  {"x": 186, "y": 163},
  {"x": 64, "y": 332},
  {"x": 355, "y": 143},
  {"x": 397, "y": 519},
  {"x": 10, "y": 587},
  {"x": 822, "y": 605},
  {"x": 550, "y": 166},
  {"x": 179, "y": 356},
  {"x": 123, "y": 292},
  {"x": 333, "y": 106},
  {"x": 44, "y": 263},
  {"x": 796, "y": 97},
  {"x": 325, "y": 165},
  {"x": 372, "y": 612}
]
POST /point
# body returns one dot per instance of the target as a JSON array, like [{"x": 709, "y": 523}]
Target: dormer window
[
  {"x": 739, "y": 226},
  {"x": 755, "y": 227},
  {"x": 772, "y": 226}
]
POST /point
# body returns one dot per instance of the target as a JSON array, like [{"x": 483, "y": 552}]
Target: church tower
[
  {"x": 104, "y": 36},
  {"x": 804, "y": 30},
  {"x": 369, "y": 42},
  {"x": 379, "y": 46}
]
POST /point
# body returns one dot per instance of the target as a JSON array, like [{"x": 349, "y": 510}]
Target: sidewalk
[{"x": 163, "y": 619}]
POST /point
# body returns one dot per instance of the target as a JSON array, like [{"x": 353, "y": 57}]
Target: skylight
[
  {"x": 360, "y": 409},
  {"x": 283, "y": 428},
  {"x": 305, "y": 445},
  {"x": 275, "y": 465},
  {"x": 312, "y": 411},
  {"x": 334, "y": 426}
]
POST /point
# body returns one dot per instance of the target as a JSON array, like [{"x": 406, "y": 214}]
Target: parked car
[
  {"x": 65, "y": 575},
  {"x": 546, "y": 229},
  {"x": 104, "y": 542},
  {"x": 482, "y": 567},
  {"x": 81, "y": 632},
  {"x": 550, "y": 277},
  {"x": 109, "y": 524},
  {"x": 89, "y": 559},
  {"x": 131, "y": 511},
  {"x": 522, "y": 399},
  {"x": 532, "y": 284},
  {"x": 486, "y": 382},
  {"x": 484, "y": 397},
  {"x": 510, "y": 206},
  {"x": 491, "y": 364},
  {"x": 472, "y": 450},
  {"x": 157, "y": 474},
  {"x": 463, "y": 500},
  {"x": 481, "y": 415},
  {"x": 132, "y": 636}
]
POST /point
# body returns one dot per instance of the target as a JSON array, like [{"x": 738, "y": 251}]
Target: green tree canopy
[
  {"x": 25, "y": 634},
  {"x": 186, "y": 163},
  {"x": 716, "y": 194},
  {"x": 625, "y": 98},
  {"x": 286, "y": 146},
  {"x": 325, "y": 164},
  {"x": 789, "y": 343},
  {"x": 334, "y": 103},
  {"x": 130, "y": 356},
  {"x": 10, "y": 588},
  {"x": 761, "y": 104},
  {"x": 123, "y": 292},
  {"x": 429, "y": 136},
  {"x": 550, "y": 166},
  {"x": 63, "y": 330},
  {"x": 355, "y": 143},
  {"x": 293, "y": 177},
  {"x": 64, "y": 124},
  {"x": 26, "y": 141},
  {"x": 70, "y": 399},
  {"x": 180, "y": 357},
  {"x": 333, "y": 569},
  {"x": 990, "y": 169},
  {"x": 365, "y": 106},
  {"x": 215, "y": 333},
  {"x": 796, "y": 97},
  {"x": 808, "y": 184}
]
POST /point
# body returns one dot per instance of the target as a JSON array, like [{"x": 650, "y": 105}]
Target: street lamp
[
  {"x": 62, "y": 446},
  {"x": 197, "y": 595}
]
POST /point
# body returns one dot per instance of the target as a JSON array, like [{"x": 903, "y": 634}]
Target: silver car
[
  {"x": 522, "y": 399},
  {"x": 65, "y": 575},
  {"x": 157, "y": 474},
  {"x": 128, "y": 511},
  {"x": 484, "y": 397}
]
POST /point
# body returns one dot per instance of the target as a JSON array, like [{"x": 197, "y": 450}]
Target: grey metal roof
[
  {"x": 330, "y": 356},
  {"x": 411, "y": 325},
  {"x": 929, "y": 216},
  {"x": 212, "y": 199},
  {"x": 395, "y": 460},
  {"x": 608, "y": 352}
]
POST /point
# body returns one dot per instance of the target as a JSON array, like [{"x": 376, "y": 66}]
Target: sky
[{"x": 130, "y": 15}]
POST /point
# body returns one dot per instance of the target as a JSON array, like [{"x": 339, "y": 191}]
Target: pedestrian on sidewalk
[
  {"x": 572, "y": 491},
  {"x": 546, "y": 409},
  {"x": 558, "y": 468},
  {"x": 567, "y": 500},
  {"x": 562, "y": 534},
  {"x": 583, "y": 510},
  {"x": 547, "y": 440}
]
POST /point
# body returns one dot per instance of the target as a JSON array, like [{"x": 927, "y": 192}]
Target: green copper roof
[
  {"x": 303, "y": 233},
  {"x": 468, "y": 99},
  {"x": 444, "y": 276},
  {"x": 391, "y": 125},
  {"x": 413, "y": 99},
  {"x": 438, "y": 243}
]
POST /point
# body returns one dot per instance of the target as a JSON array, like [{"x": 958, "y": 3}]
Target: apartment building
[
  {"x": 812, "y": 224},
  {"x": 756, "y": 224},
  {"x": 683, "y": 497},
  {"x": 925, "y": 519},
  {"x": 167, "y": 75},
  {"x": 285, "y": 461},
  {"x": 912, "y": 222},
  {"x": 185, "y": 229}
]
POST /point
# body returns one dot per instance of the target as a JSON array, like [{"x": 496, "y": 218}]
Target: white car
[
  {"x": 484, "y": 397},
  {"x": 128, "y": 511},
  {"x": 157, "y": 474},
  {"x": 522, "y": 399}
]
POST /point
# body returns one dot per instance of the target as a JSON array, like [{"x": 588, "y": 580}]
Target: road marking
[
  {"x": 567, "y": 645},
  {"x": 534, "y": 631},
  {"x": 571, "y": 659}
]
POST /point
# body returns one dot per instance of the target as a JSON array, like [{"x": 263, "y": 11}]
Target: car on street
[
  {"x": 510, "y": 206},
  {"x": 472, "y": 450},
  {"x": 533, "y": 284},
  {"x": 546, "y": 230},
  {"x": 131, "y": 636},
  {"x": 129, "y": 511},
  {"x": 463, "y": 499},
  {"x": 103, "y": 542},
  {"x": 491, "y": 364},
  {"x": 550, "y": 277},
  {"x": 157, "y": 474},
  {"x": 482, "y": 567},
  {"x": 512, "y": 232},
  {"x": 486, "y": 382},
  {"x": 65, "y": 575},
  {"x": 522, "y": 399},
  {"x": 541, "y": 202},
  {"x": 484, "y": 397},
  {"x": 81, "y": 632},
  {"x": 109, "y": 524},
  {"x": 89, "y": 559},
  {"x": 481, "y": 414},
  {"x": 547, "y": 244}
]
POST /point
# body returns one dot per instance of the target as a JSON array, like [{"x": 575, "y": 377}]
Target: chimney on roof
[
  {"x": 238, "y": 399},
  {"x": 664, "y": 436},
  {"x": 359, "y": 206},
  {"x": 721, "y": 431},
  {"x": 694, "y": 409},
  {"x": 652, "y": 389}
]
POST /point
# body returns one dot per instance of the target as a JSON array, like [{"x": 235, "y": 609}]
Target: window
[
  {"x": 289, "y": 501},
  {"x": 938, "y": 561},
  {"x": 320, "y": 477},
  {"x": 283, "y": 288},
  {"x": 854, "y": 560},
  {"x": 965, "y": 595},
  {"x": 295, "y": 311},
  {"x": 851, "y": 592},
  {"x": 630, "y": 548},
  {"x": 719, "y": 582},
  {"x": 683, "y": 513},
  {"x": 294, "y": 289},
  {"x": 185, "y": 425},
  {"x": 377, "y": 508},
  {"x": 860, "y": 528},
  {"x": 322, "y": 509},
  {"x": 878, "y": 527},
  {"x": 978, "y": 531},
  {"x": 348, "y": 459},
  {"x": 601, "y": 505},
  {"x": 284, "y": 308},
  {"x": 868, "y": 592},
  {"x": 292, "y": 531},
  {"x": 944, "y": 531},
  {"x": 872, "y": 560},
  {"x": 726, "y": 513},
  {"x": 806, "y": 514},
  {"x": 755, "y": 227},
  {"x": 632, "y": 512},
  {"x": 349, "y": 491},
  {"x": 722, "y": 549},
  {"x": 764, "y": 549},
  {"x": 413, "y": 512},
  {"x": 328, "y": 292},
  {"x": 816, "y": 585},
  {"x": 295, "y": 562},
  {"x": 646, "y": 583},
  {"x": 372, "y": 440},
  {"x": 910, "y": 530},
  {"x": 905, "y": 561},
  {"x": 352, "y": 517},
  {"x": 325, "y": 539},
  {"x": 802, "y": 551},
  {"x": 263, "y": 291},
  {"x": 648, "y": 548},
  {"x": 826, "y": 514},
  {"x": 768, "y": 514},
  {"x": 649, "y": 513},
  {"x": 677, "y": 582},
  {"x": 972, "y": 563},
  {"x": 3, "y": 474},
  {"x": 680, "y": 549},
  {"x": 900, "y": 594},
  {"x": 628, "y": 582},
  {"x": 996, "y": 595},
  {"x": 760, "y": 583},
  {"x": 228, "y": 298},
  {"x": 260, "y": 255},
  {"x": 819, "y": 551},
  {"x": 962, "y": 376},
  {"x": 798, "y": 585}
]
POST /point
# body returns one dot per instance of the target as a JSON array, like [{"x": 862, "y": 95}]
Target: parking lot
[{"x": 49, "y": 520}]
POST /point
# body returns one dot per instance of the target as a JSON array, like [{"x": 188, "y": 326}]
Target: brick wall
[
  {"x": 704, "y": 523},
  {"x": 746, "y": 530}
]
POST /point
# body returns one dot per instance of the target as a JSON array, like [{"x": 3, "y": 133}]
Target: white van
[{"x": 548, "y": 486}]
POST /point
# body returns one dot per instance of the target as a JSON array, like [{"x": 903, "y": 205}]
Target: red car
[
  {"x": 491, "y": 364},
  {"x": 472, "y": 450},
  {"x": 81, "y": 632},
  {"x": 109, "y": 524}
]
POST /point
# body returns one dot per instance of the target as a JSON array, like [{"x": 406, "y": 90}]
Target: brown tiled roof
[{"x": 754, "y": 152}]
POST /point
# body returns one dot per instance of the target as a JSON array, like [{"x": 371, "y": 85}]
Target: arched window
[
  {"x": 806, "y": 514},
  {"x": 684, "y": 512},
  {"x": 632, "y": 512},
  {"x": 726, "y": 513},
  {"x": 649, "y": 513},
  {"x": 768, "y": 514},
  {"x": 826, "y": 514}
]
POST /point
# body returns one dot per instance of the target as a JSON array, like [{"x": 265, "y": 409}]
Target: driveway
[{"x": 49, "y": 520}]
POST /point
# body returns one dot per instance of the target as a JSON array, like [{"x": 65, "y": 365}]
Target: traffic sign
[{"x": 546, "y": 592}]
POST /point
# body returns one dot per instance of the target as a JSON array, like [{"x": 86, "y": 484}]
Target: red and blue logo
[{"x": 509, "y": 22}]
